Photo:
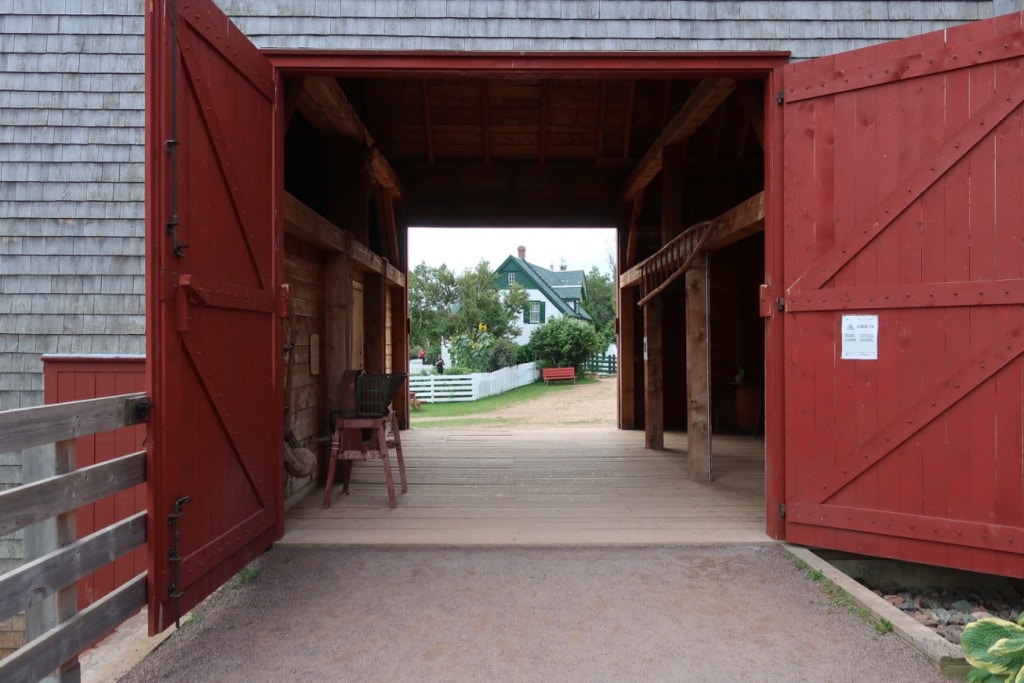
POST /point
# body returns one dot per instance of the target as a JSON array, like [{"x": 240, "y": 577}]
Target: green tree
[
  {"x": 433, "y": 294},
  {"x": 564, "y": 341},
  {"x": 481, "y": 303},
  {"x": 470, "y": 307},
  {"x": 600, "y": 304}
]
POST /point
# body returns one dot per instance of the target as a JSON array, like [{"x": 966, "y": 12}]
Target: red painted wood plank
[
  {"x": 995, "y": 292},
  {"x": 919, "y": 181},
  {"x": 845, "y": 78},
  {"x": 955, "y": 532},
  {"x": 941, "y": 397}
]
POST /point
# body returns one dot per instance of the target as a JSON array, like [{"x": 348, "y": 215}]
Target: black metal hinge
[
  {"x": 174, "y": 558},
  {"x": 780, "y": 97},
  {"x": 782, "y": 509}
]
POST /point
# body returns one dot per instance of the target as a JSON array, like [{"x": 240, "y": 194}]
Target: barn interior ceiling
[{"x": 532, "y": 151}]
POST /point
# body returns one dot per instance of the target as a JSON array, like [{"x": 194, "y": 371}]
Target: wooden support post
[
  {"x": 625, "y": 327},
  {"x": 698, "y": 384},
  {"x": 673, "y": 324},
  {"x": 45, "y": 537},
  {"x": 654, "y": 367}
]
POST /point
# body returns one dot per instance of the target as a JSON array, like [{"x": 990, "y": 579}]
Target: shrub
[
  {"x": 503, "y": 354},
  {"x": 564, "y": 342}
]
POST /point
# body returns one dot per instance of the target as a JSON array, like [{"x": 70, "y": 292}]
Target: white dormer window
[{"x": 511, "y": 279}]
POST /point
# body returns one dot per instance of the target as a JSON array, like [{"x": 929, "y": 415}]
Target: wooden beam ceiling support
[
  {"x": 671, "y": 260},
  {"x": 542, "y": 152},
  {"x": 485, "y": 116},
  {"x": 323, "y": 103},
  {"x": 601, "y": 114},
  {"x": 701, "y": 104},
  {"x": 752, "y": 100},
  {"x": 428, "y": 121},
  {"x": 627, "y": 127},
  {"x": 303, "y": 223}
]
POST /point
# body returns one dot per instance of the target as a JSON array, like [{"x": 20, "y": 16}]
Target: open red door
[
  {"x": 904, "y": 306},
  {"x": 212, "y": 274}
]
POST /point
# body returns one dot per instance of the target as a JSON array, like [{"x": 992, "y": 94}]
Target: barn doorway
[{"x": 652, "y": 145}]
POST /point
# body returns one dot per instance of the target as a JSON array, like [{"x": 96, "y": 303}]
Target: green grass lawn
[{"x": 474, "y": 413}]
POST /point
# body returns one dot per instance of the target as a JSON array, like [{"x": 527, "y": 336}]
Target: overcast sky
[{"x": 462, "y": 248}]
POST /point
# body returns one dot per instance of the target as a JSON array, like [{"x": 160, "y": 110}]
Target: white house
[{"x": 552, "y": 293}]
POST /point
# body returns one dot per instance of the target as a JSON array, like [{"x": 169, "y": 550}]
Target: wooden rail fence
[{"x": 53, "y": 576}]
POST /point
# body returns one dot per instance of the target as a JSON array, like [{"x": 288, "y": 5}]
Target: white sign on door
[{"x": 860, "y": 337}]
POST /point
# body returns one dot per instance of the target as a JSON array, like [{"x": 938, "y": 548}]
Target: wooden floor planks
[{"x": 559, "y": 486}]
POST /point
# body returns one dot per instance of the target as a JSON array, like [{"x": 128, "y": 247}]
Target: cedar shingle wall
[
  {"x": 71, "y": 247},
  {"x": 807, "y": 29}
]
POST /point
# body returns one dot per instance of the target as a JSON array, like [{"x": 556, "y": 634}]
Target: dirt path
[
  {"x": 529, "y": 614},
  {"x": 582, "y": 405}
]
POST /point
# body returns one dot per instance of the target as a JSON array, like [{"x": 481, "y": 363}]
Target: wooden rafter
[
  {"x": 627, "y": 125},
  {"x": 324, "y": 104},
  {"x": 485, "y": 123},
  {"x": 542, "y": 152},
  {"x": 428, "y": 122},
  {"x": 701, "y": 104},
  {"x": 658, "y": 271}
]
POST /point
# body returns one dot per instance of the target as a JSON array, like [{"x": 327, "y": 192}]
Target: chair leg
[
  {"x": 329, "y": 482},
  {"x": 397, "y": 438},
  {"x": 382, "y": 443}
]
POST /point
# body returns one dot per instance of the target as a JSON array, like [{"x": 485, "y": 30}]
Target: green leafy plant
[
  {"x": 563, "y": 342},
  {"x": 995, "y": 649}
]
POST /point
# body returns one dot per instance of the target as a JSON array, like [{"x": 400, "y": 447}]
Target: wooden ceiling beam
[
  {"x": 323, "y": 103},
  {"x": 701, "y": 104},
  {"x": 306, "y": 224}
]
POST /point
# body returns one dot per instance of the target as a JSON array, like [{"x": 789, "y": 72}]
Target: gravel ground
[{"x": 736, "y": 613}]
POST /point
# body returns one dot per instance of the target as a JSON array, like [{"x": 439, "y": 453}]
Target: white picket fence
[{"x": 443, "y": 388}]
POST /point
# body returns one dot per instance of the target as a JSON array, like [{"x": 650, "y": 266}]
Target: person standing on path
[{"x": 439, "y": 364}]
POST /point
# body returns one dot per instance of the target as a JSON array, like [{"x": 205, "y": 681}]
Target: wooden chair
[
  {"x": 375, "y": 436},
  {"x": 415, "y": 402}
]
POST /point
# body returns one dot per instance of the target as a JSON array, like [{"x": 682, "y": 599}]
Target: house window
[
  {"x": 535, "y": 312},
  {"x": 511, "y": 279}
]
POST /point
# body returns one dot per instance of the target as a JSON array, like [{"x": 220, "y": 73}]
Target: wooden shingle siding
[
  {"x": 807, "y": 29},
  {"x": 71, "y": 185}
]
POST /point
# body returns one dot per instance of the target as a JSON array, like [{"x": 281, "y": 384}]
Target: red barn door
[
  {"x": 904, "y": 205},
  {"x": 213, "y": 268}
]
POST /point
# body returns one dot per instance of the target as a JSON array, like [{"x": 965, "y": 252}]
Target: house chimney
[{"x": 522, "y": 253}]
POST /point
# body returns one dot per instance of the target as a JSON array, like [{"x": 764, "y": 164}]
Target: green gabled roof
[{"x": 557, "y": 286}]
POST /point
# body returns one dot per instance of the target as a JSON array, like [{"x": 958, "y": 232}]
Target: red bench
[{"x": 556, "y": 374}]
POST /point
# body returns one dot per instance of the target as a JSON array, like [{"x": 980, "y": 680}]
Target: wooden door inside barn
[
  {"x": 214, "y": 335},
  {"x": 903, "y": 205}
]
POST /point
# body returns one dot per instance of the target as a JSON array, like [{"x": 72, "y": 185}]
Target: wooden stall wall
[
  {"x": 76, "y": 378},
  {"x": 306, "y": 402},
  {"x": 737, "y": 336}
]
